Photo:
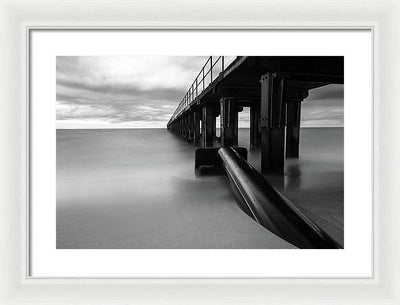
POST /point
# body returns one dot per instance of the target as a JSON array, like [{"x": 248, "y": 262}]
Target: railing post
[
  {"x": 203, "y": 80},
  {"x": 178, "y": 119},
  {"x": 211, "y": 67}
]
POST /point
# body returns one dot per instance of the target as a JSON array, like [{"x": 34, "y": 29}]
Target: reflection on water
[
  {"x": 320, "y": 166},
  {"x": 137, "y": 189},
  {"x": 293, "y": 174}
]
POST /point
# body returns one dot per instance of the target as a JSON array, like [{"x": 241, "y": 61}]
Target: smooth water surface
[{"x": 136, "y": 188}]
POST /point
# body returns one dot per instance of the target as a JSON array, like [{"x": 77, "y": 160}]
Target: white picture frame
[{"x": 19, "y": 17}]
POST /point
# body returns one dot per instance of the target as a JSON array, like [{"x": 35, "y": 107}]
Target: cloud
[
  {"x": 329, "y": 92},
  {"x": 119, "y": 90},
  {"x": 80, "y": 93},
  {"x": 324, "y": 107},
  {"x": 144, "y": 91}
]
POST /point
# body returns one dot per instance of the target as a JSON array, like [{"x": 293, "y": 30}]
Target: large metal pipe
[{"x": 269, "y": 208}]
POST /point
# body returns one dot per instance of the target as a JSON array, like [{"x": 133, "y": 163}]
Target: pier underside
[{"x": 272, "y": 87}]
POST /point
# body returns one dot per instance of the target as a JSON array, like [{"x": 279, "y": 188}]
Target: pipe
[{"x": 269, "y": 208}]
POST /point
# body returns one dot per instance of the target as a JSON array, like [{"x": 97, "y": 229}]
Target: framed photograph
[{"x": 200, "y": 153}]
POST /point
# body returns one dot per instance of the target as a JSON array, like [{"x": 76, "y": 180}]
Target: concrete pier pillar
[
  {"x": 236, "y": 125},
  {"x": 187, "y": 132},
  {"x": 186, "y": 127},
  {"x": 196, "y": 127},
  {"x": 208, "y": 126},
  {"x": 255, "y": 132},
  {"x": 192, "y": 125},
  {"x": 183, "y": 127},
  {"x": 272, "y": 113},
  {"x": 229, "y": 123},
  {"x": 189, "y": 127},
  {"x": 293, "y": 110}
]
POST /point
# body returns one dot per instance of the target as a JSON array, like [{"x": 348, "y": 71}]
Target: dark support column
[
  {"x": 192, "y": 124},
  {"x": 184, "y": 127},
  {"x": 196, "y": 127},
  {"x": 208, "y": 126},
  {"x": 236, "y": 125},
  {"x": 216, "y": 113},
  {"x": 272, "y": 113},
  {"x": 229, "y": 123},
  {"x": 255, "y": 136},
  {"x": 189, "y": 126},
  {"x": 293, "y": 110},
  {"x": 187, "y": 133}
]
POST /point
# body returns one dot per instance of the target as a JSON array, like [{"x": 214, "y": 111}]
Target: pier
[{"x": 273, "y": 87}]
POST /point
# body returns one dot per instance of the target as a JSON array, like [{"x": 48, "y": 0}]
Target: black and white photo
[{"x": 200, "y": 152}]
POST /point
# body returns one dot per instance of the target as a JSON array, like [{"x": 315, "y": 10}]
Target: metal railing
[{"x": 210, "y": 70}]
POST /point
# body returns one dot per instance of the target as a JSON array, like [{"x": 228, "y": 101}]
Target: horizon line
[{"x": 103, "y": 128}]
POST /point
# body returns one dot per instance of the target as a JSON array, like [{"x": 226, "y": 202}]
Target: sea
[{"x": 137, "y": 189}]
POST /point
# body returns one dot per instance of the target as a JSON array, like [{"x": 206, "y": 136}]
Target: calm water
[{"x": 137, "y": 189}]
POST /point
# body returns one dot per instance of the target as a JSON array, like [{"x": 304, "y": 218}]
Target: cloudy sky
[{"x": 143, "y": 92}]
